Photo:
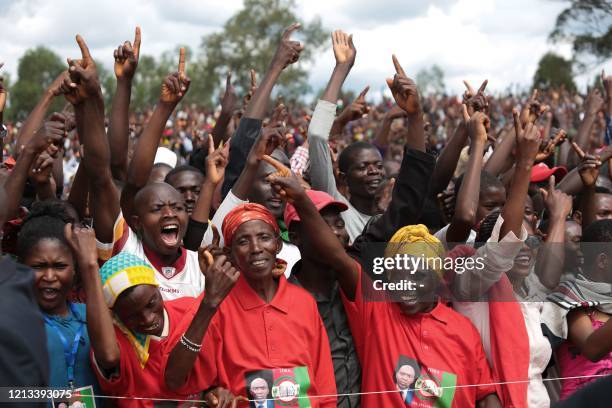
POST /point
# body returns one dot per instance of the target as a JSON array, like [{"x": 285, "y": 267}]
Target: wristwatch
[{"x": 3, "y": 132}]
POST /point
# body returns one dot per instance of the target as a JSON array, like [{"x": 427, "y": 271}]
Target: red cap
[
  {"x": 10, "y": 162},
  {"x": 541, "y": 172},
  {"x": 319, "y": 198}
]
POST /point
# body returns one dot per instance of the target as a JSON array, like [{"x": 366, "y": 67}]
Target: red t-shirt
[
  {"x": 282, "y": 346},
  {"x": 435, "y": 351},
  {"x": 134, "y": 381}
]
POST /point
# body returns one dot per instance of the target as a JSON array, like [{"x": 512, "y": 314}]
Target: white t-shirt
[{"x": 180, "y": 279}]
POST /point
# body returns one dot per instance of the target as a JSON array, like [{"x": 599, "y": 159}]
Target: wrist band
[{"x": 190, "y": 345}]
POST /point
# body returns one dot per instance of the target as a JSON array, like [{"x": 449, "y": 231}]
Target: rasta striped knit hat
[{"x": 123, "y": 271}]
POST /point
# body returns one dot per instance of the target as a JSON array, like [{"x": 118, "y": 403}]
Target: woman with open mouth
[{"x": 44, "y": 247}]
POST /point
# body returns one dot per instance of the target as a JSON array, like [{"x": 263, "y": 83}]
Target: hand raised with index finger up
[
  {"x": 287, "y": 52},
  {"x": 126, "y": 58},
  {"x": 175, "y": 85},
  {"x": 404, "y": 90},
  {"x": 82, "y": 81}
]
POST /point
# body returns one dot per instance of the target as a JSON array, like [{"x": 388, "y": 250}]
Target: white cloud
[{"x": 501, "y": 40}]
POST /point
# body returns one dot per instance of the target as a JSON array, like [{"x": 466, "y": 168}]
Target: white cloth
[{"x": 288, "y": 253}]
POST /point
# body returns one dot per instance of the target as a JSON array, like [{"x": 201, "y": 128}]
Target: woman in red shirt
[{"x": 270, "y": 342}]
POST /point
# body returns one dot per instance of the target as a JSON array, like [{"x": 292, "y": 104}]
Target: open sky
[{"x": 501, "y": 40}]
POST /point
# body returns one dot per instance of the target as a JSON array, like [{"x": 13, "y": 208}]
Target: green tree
[
  {"x": 587, "y": 25},
  {"x": 249, "y": 39},
  {"x": 554, "y": 71},
  {"x": 37, "y": 69},
  {"x": 430, "y": 80}
]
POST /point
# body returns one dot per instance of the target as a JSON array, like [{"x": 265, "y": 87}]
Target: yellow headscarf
[{"x": 416, "y": 240}]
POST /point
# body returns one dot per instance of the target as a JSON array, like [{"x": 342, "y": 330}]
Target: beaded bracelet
[{"x": 190, "y": 345}]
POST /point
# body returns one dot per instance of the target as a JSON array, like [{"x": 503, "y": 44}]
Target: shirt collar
[
  {"x": 248, "y": 298},
  {"x": 158, "y": 264},
  {"x": 440, "y": 312}
]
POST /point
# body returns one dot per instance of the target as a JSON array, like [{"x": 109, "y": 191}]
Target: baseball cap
[
  {"x": 541, "y": 172},
  {"x": 319, "y": 198}
]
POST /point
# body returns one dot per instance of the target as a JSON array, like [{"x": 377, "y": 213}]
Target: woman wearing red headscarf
[{"x": 270, "y": 341}]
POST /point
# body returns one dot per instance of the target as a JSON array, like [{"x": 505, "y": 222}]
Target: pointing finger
[
  {"x": 216, "y": 236},
  {"x": 83, "y": 46},
  {"x": 469, "y": 88},
  {"x": 274, "y": 163},
  {"x": 289, "y": 30},
  {"x": 253, "y": 79},
  {"x": 551, "y": 183},
  {"x": 228, "y": 80},
  {"x": 517, "y": 121},
  {"x": 364, "y": 92},
  {"x": 578, "y": 150},
  {"x": 211, "y": 144},
  {"x": 466, "y": 115},
  {"x": 398, "y": 67},
  {"x": 483, "y": 86},
  {"x": 137, "y": 42},
  {"x": 181, "y": 67}
]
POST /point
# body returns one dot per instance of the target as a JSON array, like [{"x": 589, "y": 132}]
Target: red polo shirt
[
  {"x": 442, "y": 348},
  {"x": 282, "y": 342}
]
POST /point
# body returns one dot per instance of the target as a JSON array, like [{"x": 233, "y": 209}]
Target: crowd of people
[{"x": 426, "y": 251}]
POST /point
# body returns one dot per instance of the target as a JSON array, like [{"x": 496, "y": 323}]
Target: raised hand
[
  {"x": 175, "y": 85},
  {"x": 558, "y": 203},
  {"x": 50, "y": 135},
  {"x": 287, "y": 52},
  {"x": 82, "y": 240},
  {"x": 549, "y": 148},
  {"x": 594, "y": 102},
  {"x": 404, "y": 90},
  {"x": 477, "y": 125},
  {"x": 356, "y": 109},
  {"x": 532, "y": 110},
  {"x": 344, "y": 49},
  {"x": 252, "y": 89},
  {"x": 82, "y": 81},
  {"x": 230, "y": 99},
  {"x": 40, "y": 172},
  {"x": 281, "y": 169},
  {"x": 216, "y": 161},
  {"x": 476, "y": 101},
  {"x": 527, "y": 139},
  {"x": 126, "y": 58},
  {"x": 220, "y": 275},
  {"x": 588, "y": 167},
  {"x": 287, "y": 185}
]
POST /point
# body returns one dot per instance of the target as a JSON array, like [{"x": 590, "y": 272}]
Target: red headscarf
[{"x": 244, "y": 213}]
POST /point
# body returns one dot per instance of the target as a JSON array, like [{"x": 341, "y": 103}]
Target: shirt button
[
  {"x": 425, "y": 332},
  {"x": 267, "y": 311},
  {"x": 426, "y": 347}
]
